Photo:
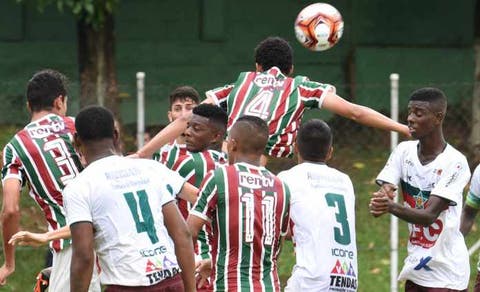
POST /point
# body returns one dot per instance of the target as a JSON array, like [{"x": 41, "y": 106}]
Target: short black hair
[
  {"x": 314, "y": 140},
  {"x": 274, "y": 51},
  {"x": 44, "y": 87},
  {"x": 434, "y": 96},
  {"x": 254, "y": 132},
  {"x": 215, "y": 114},
  {"x": 94, "y": 123},
  {"x": 182, "y": 93}
]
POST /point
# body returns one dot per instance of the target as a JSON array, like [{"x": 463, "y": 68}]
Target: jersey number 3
[{"x": 342, "y": 234}]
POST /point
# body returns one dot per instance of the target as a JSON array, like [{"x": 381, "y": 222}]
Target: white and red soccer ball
[{"x": 319, "y": 26}]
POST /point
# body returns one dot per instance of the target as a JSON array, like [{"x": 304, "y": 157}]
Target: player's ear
[
  {"x": 291, "y": 70},
  {"x": 77, "y": 142},
  {"x": 329, "y": 154},
  {"x": 169, "y": 114},
  {"x": 29, "y": 108},
  {"x": 116, "y": 138}
]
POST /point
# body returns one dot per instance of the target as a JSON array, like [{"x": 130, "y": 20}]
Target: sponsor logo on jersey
[
  {"x": 42, "y": 131},
  {"x": 254, "y": 181},
  {"x": 343, "y": 277},
  {"x": 148, "y": 252},
  {"x": 263, "y": 81},
  {"x": 158, "y": 270},
  {"x": 425, "y": 236},
  {"x": 343, "y": 253}
]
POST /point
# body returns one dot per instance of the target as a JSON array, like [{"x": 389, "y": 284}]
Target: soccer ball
[{"x": 319, "y": 26}]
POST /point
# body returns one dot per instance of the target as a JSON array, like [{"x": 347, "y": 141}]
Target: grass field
[{"x": 372, "y": 233}]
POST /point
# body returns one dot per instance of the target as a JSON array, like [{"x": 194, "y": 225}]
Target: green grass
[{"x": 372, "y": 233}]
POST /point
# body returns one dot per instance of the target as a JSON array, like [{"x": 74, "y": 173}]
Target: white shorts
[
  {"x": 297, "y": 283},
  {"x": 60, "y": 276}
]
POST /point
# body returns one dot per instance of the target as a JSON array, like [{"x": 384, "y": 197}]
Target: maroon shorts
[
  {"x": 412, "y": 287},
  {"x": 173, "y": 284}
]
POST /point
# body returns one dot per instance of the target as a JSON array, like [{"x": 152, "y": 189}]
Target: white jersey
[
  {"x": 323, "y": 214},
  {"x": 437, "y": 254},
  {"x": 123, "y": 199}
]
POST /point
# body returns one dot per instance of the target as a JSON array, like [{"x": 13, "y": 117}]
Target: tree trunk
[{"x": 96, "y": 60}]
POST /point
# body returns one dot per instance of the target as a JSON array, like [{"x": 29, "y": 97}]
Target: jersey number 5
[
  {"x": 342, "y": 234},
  {"x": 147, "y": 225}
]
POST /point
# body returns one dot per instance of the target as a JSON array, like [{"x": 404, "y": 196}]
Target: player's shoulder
[{"x": 454, "y": 152}]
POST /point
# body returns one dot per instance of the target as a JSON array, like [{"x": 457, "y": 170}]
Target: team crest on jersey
[
  {"x": 343, "y": 277},
  {"x": 254, "y": 181}
]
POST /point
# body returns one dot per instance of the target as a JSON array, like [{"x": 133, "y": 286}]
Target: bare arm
[
  {"x": 178, "y": 231},
  {"x": 189, "y": 193},
  {"x": 81, "y": 268},
  {"x": 169, "y": 133},
  {"x": 10, "y": 217},
  {"x": 362, "y": 114},
  {"x": 468, "y": 217},
  {"x": 195, "y": 223},
  {"x": 26, "y": 238},
  {"x": 424, "y": 217}
]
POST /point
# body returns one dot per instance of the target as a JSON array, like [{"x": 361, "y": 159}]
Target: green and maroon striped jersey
[
  {"x": 275, "y": 98},
  {"x": 194, "y": 167},
  {"x": 42, "y": 155},
  {"x": 169, "y": 153},
  {"x": 248, "y": 208}
]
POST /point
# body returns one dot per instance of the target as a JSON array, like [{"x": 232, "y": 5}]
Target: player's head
[
  {"x": 247, "y": 139},
  {"x": 46, "y": 91},
  {"x": 274, "y": 51},
  {"x": 314, "y": 141},
  {"x": 96, "y": 130},
  {"x": 206, "y": 128},
  {"x": 182, "y": 100},
  {"x": 426, "y": 110}
]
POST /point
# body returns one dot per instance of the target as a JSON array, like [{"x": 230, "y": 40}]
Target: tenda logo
[{"x": 254, "y": 181}]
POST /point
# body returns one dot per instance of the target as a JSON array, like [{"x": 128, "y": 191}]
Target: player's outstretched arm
[
  {"x": 362, "y": 114},
  {"x": 81, "y": 267},
  {"x": 10, "y": 219},
  {"x": 178, "y": 231},
  {"x": 188, "y": 193},
  {"x": 26, "y": 238},
  {"x": 169, "y": 133},
  {"x": 468, "y": 217}
]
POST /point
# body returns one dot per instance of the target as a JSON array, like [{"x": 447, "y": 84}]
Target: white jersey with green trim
[
  {"x": 123, "y": 198},
  {"x": 437, "y": 254},
  {"x": 322, "y": 213}
]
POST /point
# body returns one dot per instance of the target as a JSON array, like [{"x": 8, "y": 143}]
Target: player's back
[
  {"x": 42, "y": 155},
  {"x": 326, "y": 254},
  {"x": 252, "y": 213},
  {"x": 278, "y": 99},
  {"x": 126, "y": 198}
]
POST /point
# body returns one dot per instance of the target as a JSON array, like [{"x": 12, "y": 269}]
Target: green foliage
[{"x": 91, "y": 12}]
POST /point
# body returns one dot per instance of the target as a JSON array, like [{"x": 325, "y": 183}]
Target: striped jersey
[
  {"x": 194, "y": 167},
  {"x": 275, "y": 98},
  {"x": 437, "y": 254},
  {"x": 248, "y": 208},
  {"x": 42, "y": 155},
  {"x": 169, "y": 153}
]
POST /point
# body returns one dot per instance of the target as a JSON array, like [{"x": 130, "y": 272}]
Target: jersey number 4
[
  {"x": 259, "y": 106},
  {"x": 342, "y": 234},
  {"x": 148, "y": 224}
]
